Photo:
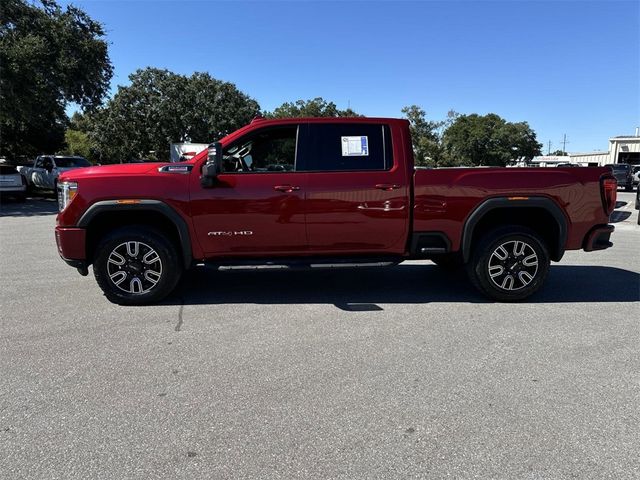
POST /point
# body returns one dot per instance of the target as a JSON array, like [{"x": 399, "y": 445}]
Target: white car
[
  {"x": 636, "y": 175},
  {"x": 12, "y": 183}
]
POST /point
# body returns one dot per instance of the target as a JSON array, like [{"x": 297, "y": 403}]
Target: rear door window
[{"x": 337, "y": 147}]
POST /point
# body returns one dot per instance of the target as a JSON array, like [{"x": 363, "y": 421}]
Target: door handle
[
  {"x": 386, "y": 208},
  {"x": 286, "y": 188},
  {"x": 387, "y": 186}
]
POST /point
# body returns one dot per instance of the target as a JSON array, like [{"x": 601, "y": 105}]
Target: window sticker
[{"x": 355, "y": 146}]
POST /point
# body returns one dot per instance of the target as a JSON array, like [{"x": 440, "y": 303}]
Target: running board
[{"x": 292, "y": 264}]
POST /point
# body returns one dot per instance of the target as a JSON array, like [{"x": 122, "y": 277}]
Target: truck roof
[
  {"x": 286, "y": 121},
  {"x": 275, "y": 121}
]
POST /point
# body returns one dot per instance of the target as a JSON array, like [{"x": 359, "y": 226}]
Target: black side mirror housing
[{"x": 213, "y": 166}]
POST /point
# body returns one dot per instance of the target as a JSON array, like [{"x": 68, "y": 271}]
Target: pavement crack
[{"x": 178, "y": 326}]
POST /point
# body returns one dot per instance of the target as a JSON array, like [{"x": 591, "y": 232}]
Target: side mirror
[{"x": 213, "y": 167}]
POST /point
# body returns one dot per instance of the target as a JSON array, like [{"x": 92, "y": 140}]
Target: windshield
[{"x": 70, "y": 162}]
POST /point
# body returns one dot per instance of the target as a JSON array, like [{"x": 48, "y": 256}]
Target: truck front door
[
  {"x": 48, "y": 176},
  {"x": 39, "y": 172},
  {"x": 256, "y": 206},
  {"x": 357, "y": 196}
]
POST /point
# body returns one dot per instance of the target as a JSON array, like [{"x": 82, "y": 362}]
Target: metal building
[{"x": 622, "y": 149}]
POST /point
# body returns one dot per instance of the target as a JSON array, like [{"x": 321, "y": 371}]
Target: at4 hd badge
[{"x": 231, "y": 233}]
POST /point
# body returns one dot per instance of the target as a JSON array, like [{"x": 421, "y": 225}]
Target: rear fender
[{"x": 492, "y": 204}]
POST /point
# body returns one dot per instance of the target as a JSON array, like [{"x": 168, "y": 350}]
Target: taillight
[{"x": 609, "y": 189}]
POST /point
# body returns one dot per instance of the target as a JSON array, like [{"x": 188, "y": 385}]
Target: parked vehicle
[
  {"x": 325, "y": 192},
  {"x": 636, "y": 175},
  {"x": 12, "y": 184},
  {"x": 47, "y": 168},
  {"x": 623, "y": 174}
]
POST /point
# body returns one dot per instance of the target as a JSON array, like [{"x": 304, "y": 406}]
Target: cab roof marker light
[{"x": 128, "y": 201}]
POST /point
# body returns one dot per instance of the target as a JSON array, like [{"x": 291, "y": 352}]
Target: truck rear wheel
[
  {"x": 136, "y": 265},
  {"x": 509, "y": 264}
]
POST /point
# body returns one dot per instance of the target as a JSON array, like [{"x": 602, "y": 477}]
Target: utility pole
[
  {"x": 549, "y": 149},
  {"x": 564, "y": 144}
]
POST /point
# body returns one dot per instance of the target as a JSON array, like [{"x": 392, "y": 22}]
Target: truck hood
[{"x": 111, "y": 170}]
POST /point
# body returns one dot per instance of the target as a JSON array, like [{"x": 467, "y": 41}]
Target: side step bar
[{"x": 302, "y": 264}]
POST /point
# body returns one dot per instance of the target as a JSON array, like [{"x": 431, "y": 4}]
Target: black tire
[
  {"x": 521, "y": 247},
  {"x": 448, "y": 261},
  {"x": 131, "y": 282},
  {"x": 628, "y": 188}
]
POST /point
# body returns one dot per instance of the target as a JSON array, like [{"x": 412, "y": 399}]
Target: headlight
[{"x": 67, "y": 191}]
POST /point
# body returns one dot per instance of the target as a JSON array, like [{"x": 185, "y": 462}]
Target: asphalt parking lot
[{"x": 404, "y": 372}]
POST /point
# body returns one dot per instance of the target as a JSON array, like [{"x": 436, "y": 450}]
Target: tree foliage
[
  {"x": 559, "y": 153},
  {"x": 317, "y": 107},
  {"x": 77, "y": 143},
  {"x": 489, "y": 140},
  {"x": 76, "y": 138},
  {"x": 426, "y": 136},
  {"x": 48, "y": 58},
  {"x": 160, "y": 107}
]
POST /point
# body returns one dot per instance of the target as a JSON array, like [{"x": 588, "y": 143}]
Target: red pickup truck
[{"x": 318, "y": 191}]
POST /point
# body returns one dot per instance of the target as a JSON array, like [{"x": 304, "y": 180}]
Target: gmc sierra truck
[{"x": 325, "y": 192}]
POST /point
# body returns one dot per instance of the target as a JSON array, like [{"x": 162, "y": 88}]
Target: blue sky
[{"x": 565, "y": 67}]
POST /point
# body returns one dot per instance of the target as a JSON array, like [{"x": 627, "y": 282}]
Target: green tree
[
  {"x": 76, "y": 138},
  {"x": 318, "y": 107},
  {"x": 78, "y": 143},
  {"x": 48, "y": 58},
  {"x": 160, "y": 107},
  {"x": 489, "y": 140},
  {"x": 426, "y": 136},
  {"x": 559, "y": 153}
]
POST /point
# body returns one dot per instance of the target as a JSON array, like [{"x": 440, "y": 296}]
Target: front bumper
[
  {"x": 71, "y": 242},
  {"x": 598, "y": 238}
]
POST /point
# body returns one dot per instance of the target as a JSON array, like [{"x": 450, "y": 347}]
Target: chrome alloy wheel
[
  {"x": 513, "y": 265},
  {"x": 134, "y": 267}
]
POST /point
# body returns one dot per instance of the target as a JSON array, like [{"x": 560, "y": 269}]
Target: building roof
[{"x": 582, "y": 154}]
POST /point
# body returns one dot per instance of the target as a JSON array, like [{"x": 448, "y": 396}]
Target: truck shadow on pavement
[
  {"x": 362, "y": 289},
  {"x": 617, "y": 216},
  {"x": 34, "y": 206}
]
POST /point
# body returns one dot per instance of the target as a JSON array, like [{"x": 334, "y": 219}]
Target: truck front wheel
[
  {"x": 509, "y": 263},
  {"x": 136, "y": 265}
]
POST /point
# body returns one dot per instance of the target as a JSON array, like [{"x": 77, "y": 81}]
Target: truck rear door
[{"x": 357, "y": 194}]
